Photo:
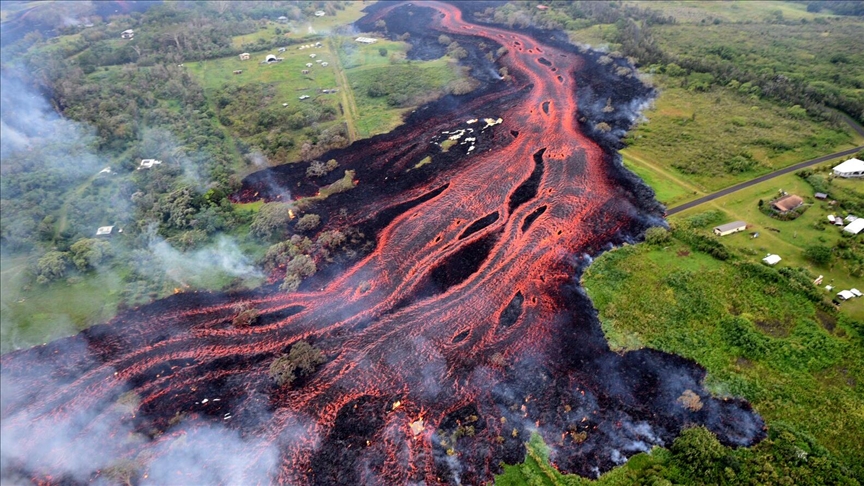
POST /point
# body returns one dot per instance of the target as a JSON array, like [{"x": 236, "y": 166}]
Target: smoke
[
  {"x": 37, "y": 136},
  {"x": 223, "y": 257}
]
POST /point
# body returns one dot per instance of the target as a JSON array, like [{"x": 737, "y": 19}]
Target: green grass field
[
  {"x": 44, "y": 313},
  {"x": 696, "y": 12},
  {"x": 785, "y": 238},
  {"x": 692, "y": 137},
  {"x": 794, "y": 363}
]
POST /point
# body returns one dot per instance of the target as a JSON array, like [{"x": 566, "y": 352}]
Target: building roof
[
  {"x": 730, "y": 226},
  {"x": 851, "y": 165},
  {"x": 104, "y": 230},
  {"x": 845, "y": 295},
  {"x": 772, "y": 259},
  {"x": 788, "y": 203},
  {"x": 821, "y": 195},
  {"x": 855, "y": 227}
]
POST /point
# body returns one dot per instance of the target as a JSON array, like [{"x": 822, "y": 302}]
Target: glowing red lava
[{"x": 461, "y": 333}]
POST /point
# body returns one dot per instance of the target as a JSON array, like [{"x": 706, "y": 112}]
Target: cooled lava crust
[{"x": 459, "y": 335}]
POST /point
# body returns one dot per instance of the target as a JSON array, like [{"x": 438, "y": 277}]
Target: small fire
[
  {"x": 397, "y": 404},
  {"x": 177, "y": 290},
  {"x": 291, "y": 214}
]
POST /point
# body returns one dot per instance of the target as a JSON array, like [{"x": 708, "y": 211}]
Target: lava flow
[{"x": 459, "y": 335}]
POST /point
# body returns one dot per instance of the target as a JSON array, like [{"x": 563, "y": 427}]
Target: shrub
[
  {"x": 300, "y": 361},
  {"x": 656, "y": 235},
  {"x": 818, "y": 254},
  {"x": 308, "y": 222}
]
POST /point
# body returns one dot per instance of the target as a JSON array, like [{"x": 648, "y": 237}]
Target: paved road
[{"x": 738, "y": 187}]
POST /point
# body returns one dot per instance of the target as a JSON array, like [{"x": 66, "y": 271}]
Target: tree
[
  {"x": 656, "y": 235},
  {"x": 444, "y": 40},
  {"x": 51, "y": 266},
  {"x": 246, "y": 317},
  {"x": 382, "y": 52},
  {"x": 271, "y": 221},
  {"x": 302, "y": 360},
  {"x": 818, "y": 254},
  {"x": 88, "y": 253},
  {"x": 308, "y": 222},
  {"x": 698, "y": 452}
]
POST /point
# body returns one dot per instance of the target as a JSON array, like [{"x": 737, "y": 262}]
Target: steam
[{"x": 223, "y": 257}]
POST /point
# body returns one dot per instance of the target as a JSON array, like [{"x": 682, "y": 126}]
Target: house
[
  {"x": 281, "y": 49},
  {"x": 856, "y": 292},
  {"x": 850, "y": 218},
  {"x": 271, "y": 59},
  {"x": 104, "y": 231},
  {"x": 729, "y": 228},
  {"x": 313, "y": 56},
  {"x": 850, "y": 168},
  {"x": 831, "y": 218},
  {"x": 787, "y": 203},
  {"x": 148, "y": 163},
  {"x": 320, "y": 13},
  {"x": 308, "y": 64},
  {"x": 106, "y": 170},
  {"x": 324, "y": 64},
  {"x": 304, "y": 97},
  {"x": 855, "y": 227},
  {"x": 821, "y": 195},
  {"x": 305, "y": 71},
  {"x": 127, "y": 34},
  {"x": 846, "y": 295},
  {"x": 366, "y": 40},
  {"x": 317, "y": 44},
  {"x": 244, "y": 56},
  {"x": 282, "y": 19},
  {"x": 238, "y": 71},
  {"x": 772, "y": 259}
]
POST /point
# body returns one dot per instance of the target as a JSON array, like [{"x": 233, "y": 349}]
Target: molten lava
[{"x": 459, "y": 335}]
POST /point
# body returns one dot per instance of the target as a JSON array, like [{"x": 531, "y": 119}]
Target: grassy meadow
[{"x": 705, "y": 141}]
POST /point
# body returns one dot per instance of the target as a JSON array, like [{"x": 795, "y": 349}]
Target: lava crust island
[{"x": 459, "y": 335}]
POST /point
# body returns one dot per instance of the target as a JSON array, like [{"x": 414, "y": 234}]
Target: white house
[
  {"x": 245, "y": 56},
  {"x": 104, "y": 231},
  {"x": 729, "y": 228},
  {"x": 148, "y": 163},
  {"x": 850, "y": 168},
  {"x": 366, "y": 40},
  {"x": 320, "y": 13},
  {"x": 855, "y": 227},
  {"x": 127, "y": 34},
  {"x": 846, "y": 295},
  {"x": 772, "y": 259}
]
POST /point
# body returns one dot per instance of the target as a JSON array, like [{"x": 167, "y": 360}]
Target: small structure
[
  {"x": 305, "y": 71},
  {"x": 366, "y": 40},
  {"x": 856, "y": 292},
  {"x": 238, "y": 71},
  {"x": 821, "y": 195},
  {"x": 106, "y": 170},
  {"x": 304, "y": 97},
  {"x": 320, "y": 13},
  {"x": 850, "y": 168},
  {"x": 818, "y": 280},
  {"x": 855, "y": 227},
  {"x": 282, "y": 19},
  {"x": 845, "y": 295},
  {"x": 850, "y": 218},
  {"x": 270, "y": 59},
  {"x": 787, "y": 203},
  {"x": 772, "y": 259},
  {"x": 127, "y": 34},
  {"x": 317, "y": 44},
  {"x": 324, "y": 64},
  {"x": 729, "y": 228},
  {"x": 244, "y": 56},
  {"x": 104, "y": 231},
  {"x": 542, "y": 7},
  {"x": 281, "y": 49},
  {"x": 308, "y": 64},
  {"x": 831, "y": 218},
  {"x": 148, "y": 163},
  {"x": 313, "y": 56}
]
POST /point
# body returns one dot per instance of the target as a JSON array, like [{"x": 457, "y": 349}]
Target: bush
[
  {"x": 300, "y": 361},
  {"x": 271, "y": 221},
  {"x": 818, "y": 254},
  {"x": 656, "y": 235},
  {"x": 308, "y": 222},
  {"x": 52, "y": 266}
]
